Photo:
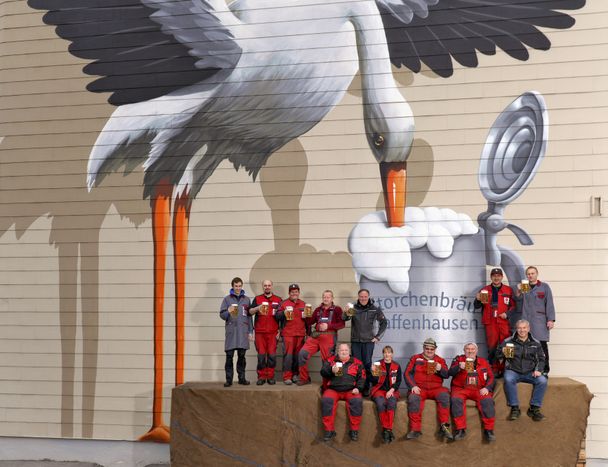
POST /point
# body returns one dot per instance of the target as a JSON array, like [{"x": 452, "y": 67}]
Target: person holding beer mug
[
  {"x": 538, "y": 309},
  {"x": 498, "y": 304},
  {"x": 238, "y": 331},
  {"x": 386, "y": 379},
  {"x": 293, "y": 331},
  {"x": 472, "y": 379},
  {"x": 264, "y": 308},
  {"x": 344, "y": 377},
  {"x": 424, "y": 377},
  {"x": 525, "y": 366}
]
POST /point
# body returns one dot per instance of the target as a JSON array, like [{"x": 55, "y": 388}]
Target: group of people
[{"x": 348, "y": 373}]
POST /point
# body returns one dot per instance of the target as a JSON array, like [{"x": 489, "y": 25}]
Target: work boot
[
  {"x": 391, "y": 436},
  {"x": 490, "y": 436},
  {"x": 354, "y": 435},
  {"x": 444, "y": 430},
  {"x": 515, "y": 413},
  {"x": 287, "y": 382},
  {"x": 271, "y": 381},
  {"x": 227, "y": 384},
  {"x": 460, "y": 434},
  {"x": 329, "y": 435},
  {"x": 260, "y": 382},
  {"x": 385, "y": 436},
  {"x": 303, "y": 382},
  {"x": 295, "y": 378},
  {"x": 244, "y": 382},
  {"x": 535, "y": 414},
  {"x": 413, "y": 435}
]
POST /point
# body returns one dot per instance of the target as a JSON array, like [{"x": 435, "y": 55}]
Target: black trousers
[
  {"x": 545, "y": 346},
  {"x": 240, "y": 364},
  {"x": 364, "y": 351}
]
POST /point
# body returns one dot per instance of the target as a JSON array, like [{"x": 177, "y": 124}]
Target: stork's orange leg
[
  {"x": 161, "y": 217},
  {"x": 181, "y": 220}
]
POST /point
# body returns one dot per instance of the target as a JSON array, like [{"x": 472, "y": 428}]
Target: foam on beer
[{"x": 383, "y": 253}]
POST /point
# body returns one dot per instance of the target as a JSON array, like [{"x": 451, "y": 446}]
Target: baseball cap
[
  {"x": 496, "y": 271},
  {"x": 430, "y": 342},
  {"x": 294, "y": 287}
]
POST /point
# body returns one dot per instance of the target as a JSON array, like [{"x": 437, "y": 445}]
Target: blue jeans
[
  {"x": 510, "y": 385},
  {"x": 364, "y": 351}
]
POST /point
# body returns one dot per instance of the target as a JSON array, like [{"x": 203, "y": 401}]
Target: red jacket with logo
[
  {"x": 297, "y": 326},
  {"x": 483, "y": 375},
  {"x": 267, "y": 323},
  {"x": 416, "y": 375},
  {"x": 332, "y": 316},
  {"x": 394, "y": 373},
  {"x": 506, "y": 303},
  {"x": 353, "y": 375}
]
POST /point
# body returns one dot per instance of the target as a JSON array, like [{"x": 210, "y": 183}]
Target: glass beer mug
[
  {"x": 289, "y": 313},
  {"x": 308, "y": 310},
  {"x": 264, "y": 308},
  {"x": 469, "y": 365},
  {"x": 350, "y": 310},
  {"x": 340, "y": 371},
  {"x": 484, "y": 297},
  {"x": 431, "y": 367},
  {"x": 525, "y": 286},
  {"x": 233, "y": 310},
  {"x": 376, "y": 369},
  {"x": 509, "y": 350}
]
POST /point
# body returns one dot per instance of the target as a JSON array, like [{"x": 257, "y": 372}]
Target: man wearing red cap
[
  {"x": 293, "y": 329},
  {"x": 265, "y": 307},
  {"x": 498, "y": 303}
]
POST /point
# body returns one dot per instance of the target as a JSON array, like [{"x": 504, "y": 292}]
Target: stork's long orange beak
[{"x": 393, "y": 175}]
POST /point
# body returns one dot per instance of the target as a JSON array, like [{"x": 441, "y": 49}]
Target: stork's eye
[{"x": 378, "y": 140}]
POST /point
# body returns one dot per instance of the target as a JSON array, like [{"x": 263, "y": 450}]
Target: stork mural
[{"x": 196, "y": 82}]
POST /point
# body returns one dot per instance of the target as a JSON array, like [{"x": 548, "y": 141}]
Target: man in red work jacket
[
  {"x": 345, "y": 377},
  {"x": 327, "y": 321},
  {"x": 266, "y": 327},
  {"x": 424, "y": 377},
  {"x": 472, "y": 378},
  {"x": 293, "y": 331},
  {"x": 496, "y": 312}
]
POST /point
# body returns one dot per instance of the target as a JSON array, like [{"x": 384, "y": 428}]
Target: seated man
[
  {"x": 424, "y": 377},
  {"x": 344, "y": 380},
  {"x": 524, "y": 363},
  {"x": 472, "y": 379}
]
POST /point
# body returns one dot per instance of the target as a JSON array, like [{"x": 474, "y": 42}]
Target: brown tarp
[{"x": 279, "y": 425}]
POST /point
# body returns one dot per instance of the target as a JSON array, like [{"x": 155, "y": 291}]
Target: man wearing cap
[
  {"x": 498, "y": 306},
  {"x": 424, "y": 377},
  {"x": 266, "y": 327},
  {"x": 472, "y": 379},
  {"x": 363, "y": 335},
  {"x": 537, "y": 308},
  {"x": 293, "y": 331},
  {"x": 327, "y": 321}
]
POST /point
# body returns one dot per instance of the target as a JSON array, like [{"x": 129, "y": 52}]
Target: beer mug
[
  {"x": 469, "y": 365},
  {"x": 376, "y": 369},
  {"x": 525, "y": 286},
  {"x": 233, "y": 310},
  {"x": 509, "y": 350},
  {"x": 340, "y": 372},
  {"x": 484, "y": 297},
  {"x": 289, "y": 313},
  {"x": 431, "y": 367},
  {"x": 350, "y": 310},
  {"x": 264, "y": 308},
  {"x": 308, "y": 310}
]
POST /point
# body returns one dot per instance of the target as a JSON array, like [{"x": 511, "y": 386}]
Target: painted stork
[{"x": 196, "y": 82}]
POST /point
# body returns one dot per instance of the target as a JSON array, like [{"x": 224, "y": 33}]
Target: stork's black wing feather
[
  {"x": 142, "y": 49},
  {"x": 458, "y": 29}
]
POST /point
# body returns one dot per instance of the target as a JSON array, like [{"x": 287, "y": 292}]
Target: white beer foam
[{"x": 383, "y": 253}]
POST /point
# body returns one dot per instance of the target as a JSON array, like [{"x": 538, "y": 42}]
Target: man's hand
[
  {"x": 251, "y": 337},
  {"x": 503, "y": 315},
  {"x": 478, "y": 297},
  {"x": 390, "y": 393},
  {"x": 322, "y": 327},
  {"x": 484, "y": 392},
  {"x": 355, "y": 391},
  {"x": 462, "y": 365},
  {"x": 437, "y": 366},
  {"x": 253, "y": 311},
  {"x": 536, "y": 374},
  {"x": 415, "y": 390},
  {"x": 374, "y": 340},
  {"x": 550, "y": 325},
  {"x": 335, "y": 369}
]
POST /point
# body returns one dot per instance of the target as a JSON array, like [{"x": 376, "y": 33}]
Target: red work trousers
[
  {"x": 485, "y": 405},
  {"x": 496, "y": 332},
  {"x": 266, "y": 346},
  {"x": 326, "y": 343},
  {"x": 386, "y": 408},
  {"x": 291, "y": 348},
  {"x": 329, "y": 404},
  {"x": 415, "y": 406}
]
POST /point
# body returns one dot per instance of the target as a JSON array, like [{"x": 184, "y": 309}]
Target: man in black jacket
[
  {"x": 524, "y": 362},
  {"x": 363, "y": 334}
]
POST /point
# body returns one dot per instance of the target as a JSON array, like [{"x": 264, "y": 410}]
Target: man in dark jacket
[
  {"x": 239, "y": 330},
  {"x": 524, "y": 362},
  {"x": 344, "y": 378},
  {"x": 363, "y": 333}
]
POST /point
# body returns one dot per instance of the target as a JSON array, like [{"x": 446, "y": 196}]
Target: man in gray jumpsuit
[{"x": 537, "y": 308}]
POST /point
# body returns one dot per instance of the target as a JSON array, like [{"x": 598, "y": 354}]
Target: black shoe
[
  {"x": 260, "y": 382},
  {"x": 295, "y": 378},
  {"x": 354, "y": 435},
  {"x": 385, "y": 436},
  {"x": 460, "y": 434},
  {"x": 365, "y": 392},
  {"x": 303, "y": 382},
  {"x": 329, "y": 435},
  {"x": 535, "y": 414},
  {"x": 413, "y": 435},
  {"x": 444, "y": 430},
  {"x": 271, "y": 381},
  {"x": 244, "y": 382},
  {"x": 490, "y": 436},
  {"x": 227, "y": 384},
  {"x": 391, "y": 436},
  {"x": 515, "y": 413},
  {"x": 288, "y": 382}
]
